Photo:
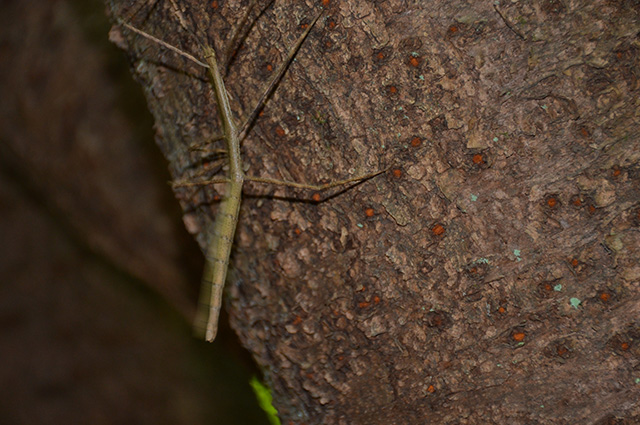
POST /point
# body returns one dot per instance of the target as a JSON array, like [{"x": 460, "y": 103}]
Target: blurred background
[{"x": 98, "y": 277}]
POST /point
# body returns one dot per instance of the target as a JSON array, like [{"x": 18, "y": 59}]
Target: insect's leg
[
  {"x": 188, "y": 183},
  {"x": 320, "y": 187},
  {"x": 275, "y": 79}
]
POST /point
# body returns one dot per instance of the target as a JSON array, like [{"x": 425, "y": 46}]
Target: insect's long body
[{"x": 221, "y": 240}]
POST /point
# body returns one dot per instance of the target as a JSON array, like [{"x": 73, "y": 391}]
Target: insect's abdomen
[{"x": 217, "y": 262}]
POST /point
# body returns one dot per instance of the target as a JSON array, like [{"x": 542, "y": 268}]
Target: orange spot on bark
[
  {"x": 414, "y": 61},
  {"x": 416, "y": 141},
  {"x": 376, "y": 299},
  {"x": 592, "y": 209},
  {"x": 380, "y": 55},
  {"x": 297, "y": 320},
  {"x": 364, "y": 304},
  {"x": 393, "y": 89},
  {"x": 332, "y": 24},
  {"x": 616, "y": 172},
  {"x": 605, "y": 296},
  {"x": 328, "y": 44},
  {"x": 214, "y": 4},
  {"x": 477, "y": 159},
  {"x": 297, "y": 231},
  {"x": 552, "y": 202},
  {"x": 453, "y": 29},
  {"x": 577, "y": 201},
  {"x": 369, "y": 212},
  {"x": 562, "y": 351},
  {"x": 518, "y": 336},
  {"x": 280, "y": 131},
  {"x": 438, "y": 230},
  {"x": 397, "y": 173},
  {"x": 431, "y": 389},
  {"x": 584, "y": 132},
  {"x": 316, "y": 197},
  {"x": 624, "y": 346},
  {"x": 269, "y": 67},
  {"x": 502, "y": 310},
  {"x": 325, "y": 2},
  {"x": 575, "y": 263}
]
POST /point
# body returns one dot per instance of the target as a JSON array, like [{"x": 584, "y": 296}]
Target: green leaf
[{"x": 263, "y": 394}]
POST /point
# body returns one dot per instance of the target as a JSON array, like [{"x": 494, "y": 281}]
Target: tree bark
[{"x": 491, "y": 276}]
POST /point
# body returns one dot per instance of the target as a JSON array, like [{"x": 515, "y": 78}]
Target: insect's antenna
[
  {"x": 277, "y": 77},
  {"x": 162, "y": 43},
  {"x": 240, "y": 33}
]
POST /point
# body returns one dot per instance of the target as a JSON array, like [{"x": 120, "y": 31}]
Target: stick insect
[{"x": 226, "y": 220}]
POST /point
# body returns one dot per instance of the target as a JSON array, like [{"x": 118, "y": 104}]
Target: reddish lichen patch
[
  {"x": 518, "y": 336},
  {"x": 431, "y": 389},
  {"x": 438, "y": 230},
  {"x": 453, "y": 29},
  {"x": 297, "y": 231},
  {"x": 382, "y": 56},
  {"x": 604, "y": 296},
  {"x": 214, "y": 4},
  {"x": 364, "y": 304},
  {"x": 415, "y": 141},
  {"x": 369, "y": 212},
  {"x": 316, "y": 197},
  {"x": 297, "y": 320},
  {"x": 414, "y": 61},
  {"x": 269, "y": 67},
  {"x": 376, "y": 299},
  {"x": 615, "y": 172},
  {"x": 397, "y": 173},
  {"x": 326, "y": 3},
  {"x": 551, "y": 201},
  {"x": 502, "y": 310},
  {"x": 392, "y": 89},
  {"x": 477, "y": 159},
  {"x": 546, "y": 289},
  {"x": 576, "y": 201},
  {"x": 559, "y": 349},
  {"x": 279, "y": 131}
]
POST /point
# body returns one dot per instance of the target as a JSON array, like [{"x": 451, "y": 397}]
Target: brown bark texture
[{"x": 491, "y": 275}]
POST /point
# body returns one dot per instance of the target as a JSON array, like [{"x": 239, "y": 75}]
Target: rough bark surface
[{"x": 492, "y": 275}]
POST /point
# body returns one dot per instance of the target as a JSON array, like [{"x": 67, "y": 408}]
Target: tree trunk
[{"x": 491, "y": 276}]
